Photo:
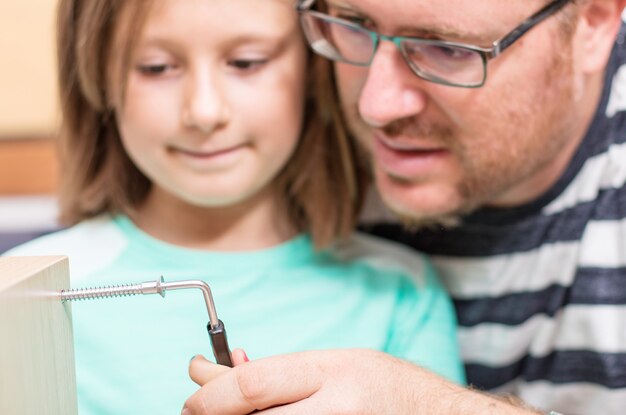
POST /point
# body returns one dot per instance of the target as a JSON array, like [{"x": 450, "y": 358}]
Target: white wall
[{"x": 28, "y": 106}]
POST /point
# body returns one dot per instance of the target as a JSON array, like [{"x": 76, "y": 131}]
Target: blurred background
[{"x": 29, "y": 118}]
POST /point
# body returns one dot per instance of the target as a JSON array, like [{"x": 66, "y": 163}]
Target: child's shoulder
[
  {"x": 385, "y": 255},
  {"x": 87, "y": 244},
  {"x": 75, "y": 239}
]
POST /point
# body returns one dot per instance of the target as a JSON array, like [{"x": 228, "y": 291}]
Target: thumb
[
  {"x": 202, "y": 371},
  {"x": 239, "y": 357}
]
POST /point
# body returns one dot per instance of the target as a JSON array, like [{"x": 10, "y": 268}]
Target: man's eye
[
  {"x": 351, "y": 18},
  {"x": 246, "y": 64},
  {"x": 449, "y": 52},
  {"x": 355, "y": 19}
]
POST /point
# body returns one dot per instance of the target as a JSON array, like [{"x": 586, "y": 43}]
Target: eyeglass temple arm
[{"x": 525, "y": 26}]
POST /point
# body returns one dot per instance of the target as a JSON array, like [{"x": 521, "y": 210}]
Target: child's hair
[{"x": 324, "y": 182}]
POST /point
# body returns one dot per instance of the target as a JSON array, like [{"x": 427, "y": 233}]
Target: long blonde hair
[{"x": 323, "y": 183}]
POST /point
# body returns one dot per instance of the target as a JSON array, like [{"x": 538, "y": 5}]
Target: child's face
[{"x": 214, "y": 98}]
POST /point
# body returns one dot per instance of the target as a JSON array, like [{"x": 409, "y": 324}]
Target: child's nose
[{"x": 205, "y": 107}]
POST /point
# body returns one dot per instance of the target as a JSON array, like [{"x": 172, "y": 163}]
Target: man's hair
[{"x": 324, "y": 182}]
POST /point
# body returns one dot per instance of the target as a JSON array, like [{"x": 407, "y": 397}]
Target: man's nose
[
  {"x": 206, "y": 104},
  {"x": 391, "y": 90}
]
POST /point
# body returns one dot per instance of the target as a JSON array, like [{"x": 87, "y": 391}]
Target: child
[{"x": 193, "y": 150}]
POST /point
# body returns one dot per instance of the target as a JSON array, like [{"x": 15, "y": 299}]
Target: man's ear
[{"x": 598, "y": 24}]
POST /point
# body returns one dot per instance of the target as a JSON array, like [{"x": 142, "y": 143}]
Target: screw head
[{"x": 159, "y": 287}]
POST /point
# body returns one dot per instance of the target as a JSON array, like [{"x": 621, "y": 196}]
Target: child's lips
[
  {"x": 207, "y": 153},
  {"x": 208, "y": 160}
]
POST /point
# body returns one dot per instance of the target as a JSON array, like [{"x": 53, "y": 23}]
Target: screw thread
[{"x": 101, "y": 292}]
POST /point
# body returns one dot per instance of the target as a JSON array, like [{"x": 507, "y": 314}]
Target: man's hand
[
  {"x": 202, "y": 371},
  {"x": 332, "y": 382}
]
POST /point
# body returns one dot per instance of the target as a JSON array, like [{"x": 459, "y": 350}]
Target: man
[{"x": 515, "y": 156}]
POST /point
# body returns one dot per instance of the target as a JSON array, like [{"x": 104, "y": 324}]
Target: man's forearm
[{"x": 436, "y": 395}]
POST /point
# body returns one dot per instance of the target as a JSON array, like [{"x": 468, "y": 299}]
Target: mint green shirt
[{"x": 132, "y": 353}]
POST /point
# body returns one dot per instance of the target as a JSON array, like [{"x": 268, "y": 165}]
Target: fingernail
[
  {"x": 245, "y": 357},
  {"x": 192, "y": 357},
  {"x": 185, "y": 411}
]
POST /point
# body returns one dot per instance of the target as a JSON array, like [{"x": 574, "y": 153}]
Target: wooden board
[{"x": 36, "y": 349}]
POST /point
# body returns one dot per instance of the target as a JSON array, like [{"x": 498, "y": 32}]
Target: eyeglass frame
[{"x": 486, "y": 54}]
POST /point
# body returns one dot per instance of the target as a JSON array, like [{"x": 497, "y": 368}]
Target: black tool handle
[{"x": 219, "y": 342}]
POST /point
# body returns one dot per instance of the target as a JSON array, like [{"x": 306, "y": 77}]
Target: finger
[
  {"x": 259, "y": 384},
  {"x": 308, "y": 406},
  {"x": 239, "y": 357},
  {"x": 202, "y": 371}
]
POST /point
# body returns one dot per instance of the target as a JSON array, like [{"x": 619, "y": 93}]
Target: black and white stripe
[{"x": 540, "y": 290}]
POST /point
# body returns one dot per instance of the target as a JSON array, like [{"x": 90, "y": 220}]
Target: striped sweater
[{"x": 540, "y": 290}]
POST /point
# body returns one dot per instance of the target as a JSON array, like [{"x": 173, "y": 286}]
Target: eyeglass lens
[
  {"x": 432, "y": 60},
  {"x": 347, "y": 43}
]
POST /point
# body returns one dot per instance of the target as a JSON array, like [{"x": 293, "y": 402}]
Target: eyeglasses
[{"x": 439, "y": 61}]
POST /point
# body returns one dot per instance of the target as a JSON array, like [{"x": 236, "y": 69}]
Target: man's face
[{"x": 439, "y": 151}]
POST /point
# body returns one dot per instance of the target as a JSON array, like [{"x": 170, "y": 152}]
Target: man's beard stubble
[{"x": 484, "y": 179}]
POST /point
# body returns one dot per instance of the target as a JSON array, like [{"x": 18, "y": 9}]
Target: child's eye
[
  {"x": 156, "y": 69},
  {"x": 246, "y": 64}
]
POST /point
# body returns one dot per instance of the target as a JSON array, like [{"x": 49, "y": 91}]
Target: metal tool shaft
[{"x": 150, "y": 287}]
